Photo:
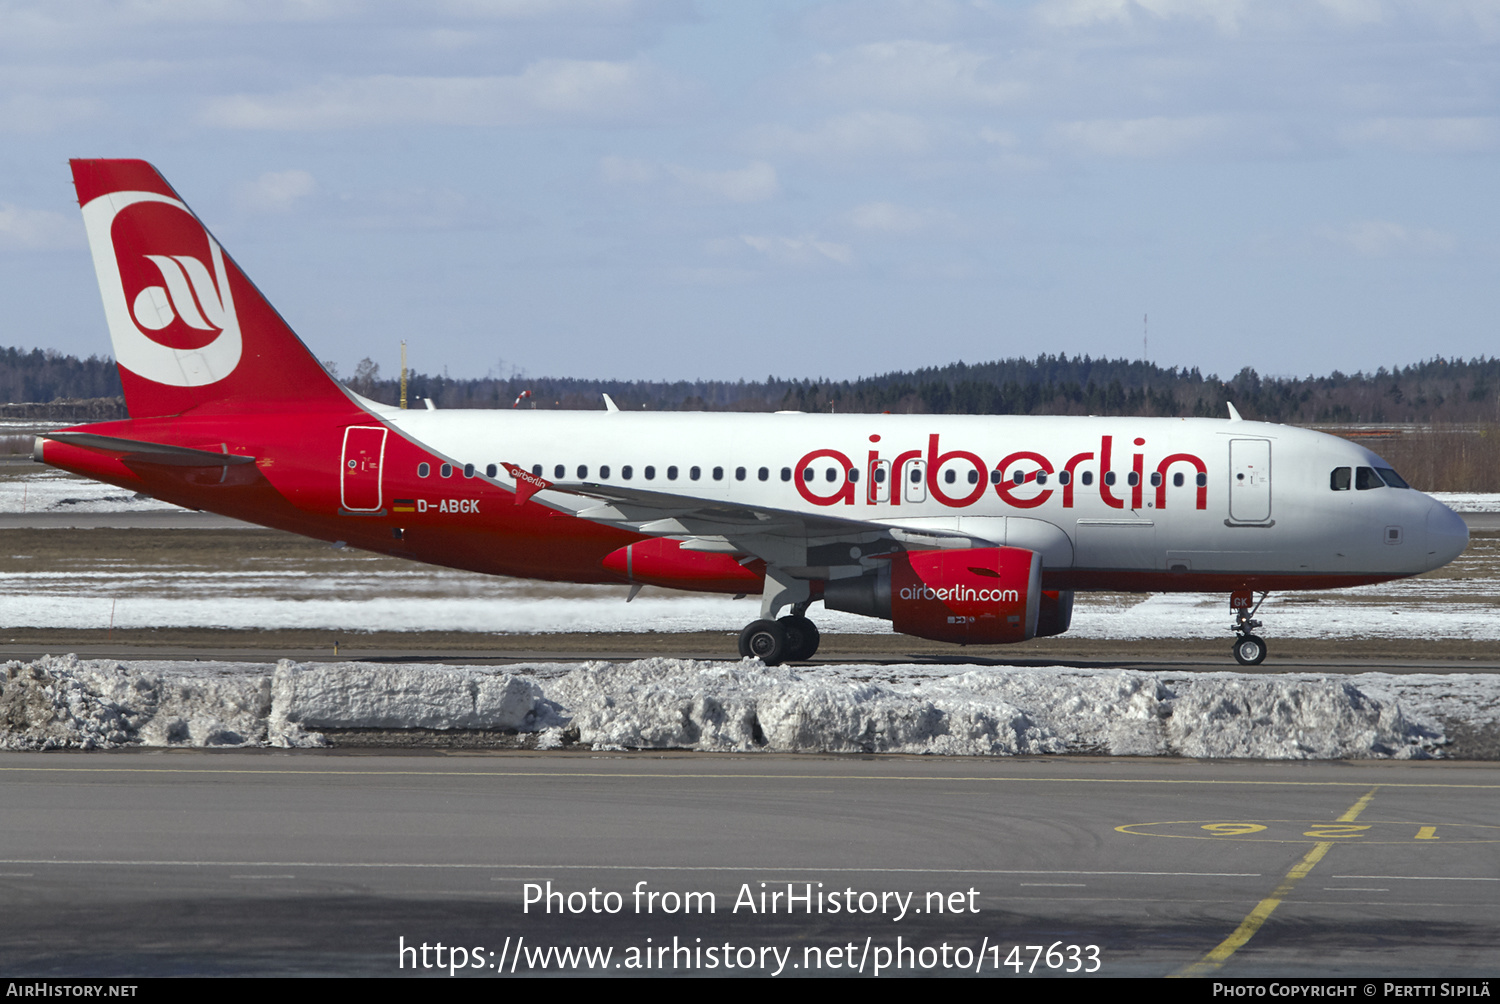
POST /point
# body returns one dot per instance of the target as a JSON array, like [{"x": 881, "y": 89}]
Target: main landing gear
[
  {"x": 788, "y": 639},
  {"x": 1249, "y": 649}
]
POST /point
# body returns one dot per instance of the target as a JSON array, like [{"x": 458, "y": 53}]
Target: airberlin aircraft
[{"x": 973, "y": 530}]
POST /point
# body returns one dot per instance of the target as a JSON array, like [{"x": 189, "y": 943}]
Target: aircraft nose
[{"x": 1447, "y": 534}]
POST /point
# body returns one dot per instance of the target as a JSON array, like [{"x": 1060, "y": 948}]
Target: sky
[{"x": 669, "y": 189}]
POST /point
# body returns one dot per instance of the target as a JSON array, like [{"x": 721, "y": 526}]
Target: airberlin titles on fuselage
[
  {"x": 1014, "y": 478},
  {"x": 1019, "y": 479}
]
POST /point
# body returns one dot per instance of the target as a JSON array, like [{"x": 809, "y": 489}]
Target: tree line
[
  {"x": 1438, "y": 390},
  {"x": 1453, "y": 391}
]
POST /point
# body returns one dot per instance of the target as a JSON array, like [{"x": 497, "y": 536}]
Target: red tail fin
[{"x": 188, "y": 328}]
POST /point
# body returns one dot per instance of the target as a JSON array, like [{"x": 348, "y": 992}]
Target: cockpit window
[
  {"x": 1340, "y": 479},
  {"x": 1391, "y": 478},
  {"x": 1365, "y": 478}
]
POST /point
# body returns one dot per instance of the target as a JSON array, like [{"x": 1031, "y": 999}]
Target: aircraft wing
[{"x": 803, "y": 544}]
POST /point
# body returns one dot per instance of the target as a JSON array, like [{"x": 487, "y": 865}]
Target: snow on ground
[
  {"x": 62, "y": 702},
  {"x": 44, "y": 489},
  {"x": 1468, "y": 501},
  {"x": 1160, "y": 615}
]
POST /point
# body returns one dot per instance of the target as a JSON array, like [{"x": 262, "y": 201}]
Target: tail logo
[{"x": 166, "y": 291}]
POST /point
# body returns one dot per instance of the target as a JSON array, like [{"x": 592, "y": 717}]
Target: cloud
[
  {"x": 1159, "y": 136},
  {"x": 802, "y": 251},
  {"x": 857, "y": 134},
  {"x": 1383, "y": 239},
  {"x": 549, "y": 90},
  {"x": 911, "y": 73},
  {"x": 1426, "y": 135},
  {"x": 276, "y": 191},
  {"x": 755, "y": 182},
  {"x": 1226, "y": 15},
  {"x": 38, "y": 229},
  {"x": 889, "y": 218}
]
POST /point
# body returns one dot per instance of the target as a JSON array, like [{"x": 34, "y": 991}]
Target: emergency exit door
[
  {"x": 359, "y": 480},
  {"x": 1250, "y": 480}
]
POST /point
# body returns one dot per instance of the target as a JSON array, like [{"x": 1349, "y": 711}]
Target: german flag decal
[{"x": 403, "y": 505}]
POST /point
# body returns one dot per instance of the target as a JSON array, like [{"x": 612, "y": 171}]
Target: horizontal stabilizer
[{"x": 151, "y": 453}]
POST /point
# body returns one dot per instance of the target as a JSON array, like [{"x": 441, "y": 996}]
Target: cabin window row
[{"x": 832, "y": 474}]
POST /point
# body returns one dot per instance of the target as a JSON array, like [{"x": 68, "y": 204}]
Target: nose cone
[{"x": 1447, "y": 534}]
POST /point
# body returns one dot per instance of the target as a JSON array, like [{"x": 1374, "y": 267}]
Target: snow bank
[{"x": 713, "y": 706}]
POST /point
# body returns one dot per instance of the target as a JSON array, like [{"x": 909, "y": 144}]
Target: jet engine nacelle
[{"x": 979, "y": 596}]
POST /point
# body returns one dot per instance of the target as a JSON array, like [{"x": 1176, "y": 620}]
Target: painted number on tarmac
[{"x": 1311, "y": 830}]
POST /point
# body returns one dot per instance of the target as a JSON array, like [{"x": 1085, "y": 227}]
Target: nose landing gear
[{"x": 1249, "y": 649}]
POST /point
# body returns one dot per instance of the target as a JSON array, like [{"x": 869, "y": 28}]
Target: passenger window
[
  {"x": 807, "y": 474},
  {"x": 764, "y": 473},
  {"x": 1041, "y": 477},
  {"x": 560, "y": 471},
  {"x": 786, "y": 474},
  {"x": 718, "y": 474},
  {"x": 468, "y": 470},
  {"x": 880, "y": 475},
  {"x": 853, "y": 475},
  {"x": 1365, "y": 478},
  {"x": 425, "y": 469},
  {"x": 1177, "y": 480},
  {"x": 831, "y": 475},
  {"x": 1087, "y": 477},
  {"x": 1132, "y": 479},
  {"x": 1019, "y": 477},
  {"x": 739, "y": 474},
  {"x": 583, "y": 471},
  {"x": 604, "y": 471},
  {"x": 916, "y": 475},
  {"x": 650, "y": 473},
  {"x": 973, "y": 476},
  {"x": 1065, "y": 477},
  {"x": 695, "y": 473},
  {"x": 950, "y": 476},
  {"x": 1201, "y": 480},
  {"x": 1109, "y": 477},
  {"x": 672, "y": 473},
  {"x": 996, "y": 477},
  {"x": 626, "y": 471},
  {"x": 1156, "y": 479},
  {"x": 490, "y": 470},
  {"x": 447, "y": 470},
  {"x": 1339, "y": 480}
]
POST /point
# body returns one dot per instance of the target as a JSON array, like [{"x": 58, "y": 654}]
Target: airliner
[{"x": 963, "y": 529}]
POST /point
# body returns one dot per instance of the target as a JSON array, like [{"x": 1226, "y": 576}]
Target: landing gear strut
[
  {"x": 1249, "y": 649},
  {"x": 789, "y": 639}
]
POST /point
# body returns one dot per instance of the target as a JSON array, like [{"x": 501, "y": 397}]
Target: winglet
[
  {"x": 609, "y": 404},
  {"x": 527, "y": 483},
  {"x": 1234, "y": 415}
]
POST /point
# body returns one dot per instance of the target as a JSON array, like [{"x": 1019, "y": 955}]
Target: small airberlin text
[{"x": 960, "y": 594}]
